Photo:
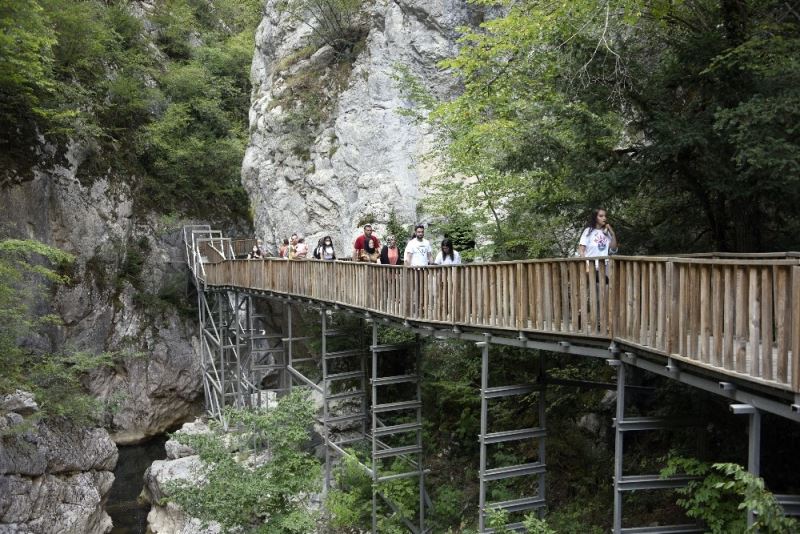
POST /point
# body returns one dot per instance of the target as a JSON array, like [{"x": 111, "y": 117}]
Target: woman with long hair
[
  {"x": 325, "y": 250},
  {"x": 597, "y": 238},
  {"x": 390, "y": 253},
  {"x": 447, "y": 256}
]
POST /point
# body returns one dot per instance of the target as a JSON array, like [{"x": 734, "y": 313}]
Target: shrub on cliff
[{"x": 54, "y": 378}]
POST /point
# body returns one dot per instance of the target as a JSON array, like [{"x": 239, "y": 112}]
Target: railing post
[
  {"x": 404, "y": 292},
  {"x": 795, "y": 329},
  {"x": 611, "y": 297},
  {"x": 669, "y": 339}
]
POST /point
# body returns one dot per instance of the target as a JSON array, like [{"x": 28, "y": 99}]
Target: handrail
[{"x": 739, "y": 317}]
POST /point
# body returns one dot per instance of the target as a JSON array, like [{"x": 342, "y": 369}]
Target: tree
[
  {"x": 647, "y": 108},
  {"x": 272, "y": 496}
]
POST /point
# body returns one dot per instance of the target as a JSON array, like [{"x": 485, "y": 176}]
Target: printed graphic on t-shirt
[{"x": 600, "y": 240}]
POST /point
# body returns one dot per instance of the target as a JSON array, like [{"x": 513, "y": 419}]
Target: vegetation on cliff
[
  {"x": 27, "y": 360},
  {"x": 159, "y": 97}
]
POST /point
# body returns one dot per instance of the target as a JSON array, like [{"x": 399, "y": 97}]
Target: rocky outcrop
[
  {"x": 365, "y": 159},
  {"x": 54, "y": 477},
  {"x": 181, "y": 464},
  {"x": 128, "y": 267}
]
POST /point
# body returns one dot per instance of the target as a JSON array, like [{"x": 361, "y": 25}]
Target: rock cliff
[
  {"x": 128, "y": 267},
  {"x": 360, "y": 159},
  {"x": 54, "y": 477}
]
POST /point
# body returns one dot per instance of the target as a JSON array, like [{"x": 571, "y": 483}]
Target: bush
[
  {"x": 273, "y": 497},
  {"x": 722, "y": 495},
  {"x": 54, "y": 378}
]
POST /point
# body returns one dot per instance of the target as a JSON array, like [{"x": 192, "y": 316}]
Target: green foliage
[
  {"x": 723, "y": 493},
  {"x": 26, "y": 57},
  {"x": 350, "y": 503},
  {"x": 268, "y": 497},
  {"x": 498, "y": 519},
  {"x": 88, "y": 71},
  {"x": 54, "y": 378},
  {"x": 646, "y": 108},
  {"x": 339, "y": 24}
]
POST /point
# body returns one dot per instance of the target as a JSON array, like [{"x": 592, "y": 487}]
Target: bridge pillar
[
  {"x": 487, "y": 438},
  {"x": 396, "y": 428},
  {"x": 225, "y": 350},
  {"x": 627, "y": 483},
  {"x": 753, "y": 444}
]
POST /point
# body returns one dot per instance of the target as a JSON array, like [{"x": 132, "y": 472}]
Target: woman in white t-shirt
[
  {"x": 447, "y": 256},
  {"x": 598, "y": 238}
]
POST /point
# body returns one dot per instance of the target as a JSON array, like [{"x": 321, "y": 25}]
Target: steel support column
[
  {"x": 753, "y": 444},
  {"x": 488, "y": 438},
  {"x": 389, "y": 436}
]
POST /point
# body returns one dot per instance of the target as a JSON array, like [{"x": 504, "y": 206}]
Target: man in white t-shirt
[{"x": 418, "y": 250}]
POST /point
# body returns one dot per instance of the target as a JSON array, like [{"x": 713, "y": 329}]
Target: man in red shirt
[{"x": 367, "y": 246}]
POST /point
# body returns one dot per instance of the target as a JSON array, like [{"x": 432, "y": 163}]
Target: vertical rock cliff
[
  {"x": 360, "y": 158},
  {"x": 126, "y": 267}
]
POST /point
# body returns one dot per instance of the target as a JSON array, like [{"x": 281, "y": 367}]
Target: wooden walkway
[{"x": 739, "y": 316}]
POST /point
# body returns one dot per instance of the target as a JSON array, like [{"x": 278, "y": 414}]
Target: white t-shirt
[
  {"x": 597, "y": 242},
  {"x": 455, "y": 260},
  {"x": 419, "y": 250}
]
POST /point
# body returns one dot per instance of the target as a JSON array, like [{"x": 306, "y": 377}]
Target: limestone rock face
[
  {"x": 55, "y": 478},
  {"x": 125, "y": 264},
  {"x": 182, "y": 464},
  {"x": 365, "y": 159}
]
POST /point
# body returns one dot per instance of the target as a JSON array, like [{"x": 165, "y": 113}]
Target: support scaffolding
[
  {"x": 628, "y": 483},
  {"x": 397, "y": 425},
  {"x": 486, "y": 438},
  {"x": 225, "y": 351}
]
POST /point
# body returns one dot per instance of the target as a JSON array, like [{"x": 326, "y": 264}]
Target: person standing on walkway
[
  {"x": 418, "y": 250},
  {"x": 447, "y": 256},
  {"x": 367, "y": 246},
  {"x": 390, "y": 253},
  {"x": 301, "y": 249},
  {"x": 324, "y": 250},
  {"x": 291, "y": 251},
  {"x": 283, "y": 250},
  {"x": 598, "y": 238}
]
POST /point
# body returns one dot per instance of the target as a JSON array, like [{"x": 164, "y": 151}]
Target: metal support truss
[
  {"x": 225, "y": 350},
  {"x": 487, "y": 438},
  {"x": 344, "y": 402},
  {"x": 397, "y": 425},
  {"x": 626, "y": 483}
]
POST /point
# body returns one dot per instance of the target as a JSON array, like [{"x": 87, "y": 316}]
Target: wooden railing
[
  {"x": 242, "y": 247},
  {"x": 739, "y": 316}
]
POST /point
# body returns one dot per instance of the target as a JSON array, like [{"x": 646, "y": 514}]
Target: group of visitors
[
  {"x": 597, "y": 239},
  {"x": 418, "y": 251},
  {"x": 367, "y": 248}
]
